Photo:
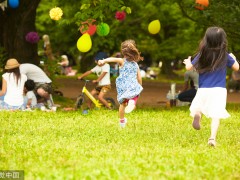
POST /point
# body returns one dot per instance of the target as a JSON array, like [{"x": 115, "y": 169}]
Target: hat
[
  {"x": 100, "y": 56},
  {"x": 11, "y": 64}
]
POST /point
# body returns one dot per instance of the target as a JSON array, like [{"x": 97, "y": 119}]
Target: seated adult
[
  {"x": 43, "y": 84},
  {"x": 234, "y": 82},
  {"x": 188, "y": 93},
  {"x": 12, "y": 87},
  {"x": 64, "y": 65}
]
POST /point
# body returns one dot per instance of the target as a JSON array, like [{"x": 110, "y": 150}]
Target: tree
[
  {"x": 219, "y": 13},
  {"x": 15, "y": 24},
  {"x": 163, "y": 46},
  {"x": 182, "y": 26},
  {"x": 65, "y": 32}
]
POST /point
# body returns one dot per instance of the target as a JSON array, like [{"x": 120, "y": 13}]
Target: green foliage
[
  {"x": 219, "y": 13},
  {"x": 156, "y": 144},
  {"x": 182, "y": 26},
  {"x": 139, "y": 15}
]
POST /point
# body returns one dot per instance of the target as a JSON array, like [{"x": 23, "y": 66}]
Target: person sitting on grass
[
  {"x": 30, "y": 97},
  {"x": 12, "y": 87},
  {"x": 43, "y": 84},
  {"x": 188, "y": 93}
]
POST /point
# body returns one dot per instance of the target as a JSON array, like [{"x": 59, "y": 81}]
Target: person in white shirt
[
  {"x": 103, "y": 80},
  {"x": 43, "y": 84},
  {"x": 12, "y": 87}
]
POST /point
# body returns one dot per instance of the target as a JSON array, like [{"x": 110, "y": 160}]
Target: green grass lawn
[{"x": 156, "y": 144}]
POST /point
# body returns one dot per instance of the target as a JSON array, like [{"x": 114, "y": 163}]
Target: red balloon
[{"x": 88, "y": 27}]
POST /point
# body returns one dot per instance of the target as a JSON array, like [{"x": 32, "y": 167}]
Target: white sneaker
[
  {"x": 130, "y": 107},
  {"x": 123, "y": 122}
]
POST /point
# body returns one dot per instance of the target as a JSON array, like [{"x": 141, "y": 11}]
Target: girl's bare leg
[
  {"x": 214, "y": 128},
  {"x": 122, "y": 120},
  {"x": 121, "y": 110}
]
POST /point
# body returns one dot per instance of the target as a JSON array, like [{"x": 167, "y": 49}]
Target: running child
[
  {"x": 129, "y": 81},
  {"x": 211, "y": 63}
]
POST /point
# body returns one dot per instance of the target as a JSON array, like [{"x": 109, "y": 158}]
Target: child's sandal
[{"x": 211, "y": 142}]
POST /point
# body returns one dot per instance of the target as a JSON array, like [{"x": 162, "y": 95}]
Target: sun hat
[{"x": 11, "y": 64}]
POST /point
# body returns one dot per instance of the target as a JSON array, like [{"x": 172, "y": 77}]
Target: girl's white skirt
[{"x": 211, "y": 102}]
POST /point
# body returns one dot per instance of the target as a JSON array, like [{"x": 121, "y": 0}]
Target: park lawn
[{"x": 156, "y": 144}]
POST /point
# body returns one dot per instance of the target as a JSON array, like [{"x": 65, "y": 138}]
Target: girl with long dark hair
[{"x": 211, "y": 63}]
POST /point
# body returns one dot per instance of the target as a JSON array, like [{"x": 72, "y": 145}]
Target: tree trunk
[{"x": 15, "y": 24}]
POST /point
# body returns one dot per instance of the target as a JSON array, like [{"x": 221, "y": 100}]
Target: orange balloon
[{"x": 201, "y": 4}]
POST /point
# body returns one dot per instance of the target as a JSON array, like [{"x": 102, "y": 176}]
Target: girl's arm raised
[
  {"x": 120, "y": 61},
  {"x": 235, "y": 66},
  {"x": 188, "y": 63}
]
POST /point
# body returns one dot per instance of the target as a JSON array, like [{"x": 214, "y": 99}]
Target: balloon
[
  {"x": 154, "y": 27},
  {"x": 201, "y": 4},
  {"x": 103, "y": 29},
  {"x": 92, "y": 29},
  {"x": 88, "y": 27},
  {"x": 13, "y": 3},
  {"x": 56, "y": 13},
  {"x": 84, "y": 43}
]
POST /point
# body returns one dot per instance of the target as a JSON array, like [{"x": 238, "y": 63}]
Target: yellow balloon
[
  {"x": 154, "y": 27},
  {"x": 84, "y": 43}
]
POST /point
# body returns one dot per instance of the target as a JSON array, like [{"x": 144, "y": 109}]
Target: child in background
[
  {"x": 129, "y": 81},
  {"x": 211, "y": 63},
  {"x": 31, "y": 100},
  {"x": 103, "y": 81}
]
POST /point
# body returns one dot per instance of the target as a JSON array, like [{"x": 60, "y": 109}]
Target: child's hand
[
  {"x": 101, "y": 62},
  {"x": 188, "y": 63},
  {"x": 95, "y": 81}
]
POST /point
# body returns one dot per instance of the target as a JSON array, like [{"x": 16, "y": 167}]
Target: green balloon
[{"x": 103, "y": 29}]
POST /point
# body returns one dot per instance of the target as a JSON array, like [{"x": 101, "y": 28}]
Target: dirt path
[{"x": 153, "y": 95}]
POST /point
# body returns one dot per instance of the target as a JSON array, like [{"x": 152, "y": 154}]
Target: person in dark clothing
[{"x": 188, "y": 93}]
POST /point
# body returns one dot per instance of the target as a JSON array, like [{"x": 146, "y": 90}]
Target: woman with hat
[{"x": 12, "y": 86}]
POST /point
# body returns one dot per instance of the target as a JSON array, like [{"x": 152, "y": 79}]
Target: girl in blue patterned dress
[{"x": 129, "y": 81}]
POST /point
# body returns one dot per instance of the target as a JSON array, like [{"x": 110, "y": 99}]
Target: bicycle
[{"x": 81, "y": 98}]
